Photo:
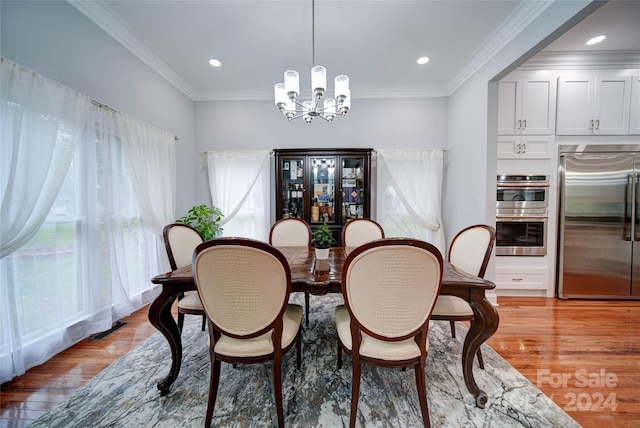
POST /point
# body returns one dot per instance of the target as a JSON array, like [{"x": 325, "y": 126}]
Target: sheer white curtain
[
  {"x": 151, "y": 155},
  {"x": 410, "y": 194},
  {"x": 90, "y": 260},
  {"x": 240, "y": 187},
  {"x": 41, "y": 123}
]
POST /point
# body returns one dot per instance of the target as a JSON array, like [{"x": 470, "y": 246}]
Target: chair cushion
[
  {"x": 375, "y": 348},
  {"x": 452, "y": 306},
  {"x": 262, "y": 345},
  {"x": 191, "y": 300}
]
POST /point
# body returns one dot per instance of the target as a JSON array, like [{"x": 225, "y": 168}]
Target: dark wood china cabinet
[{"x": 323, "y": 186}]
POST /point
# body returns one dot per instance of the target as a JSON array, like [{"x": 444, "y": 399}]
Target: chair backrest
[
  {"x": 360, "y": 231},
  {"x": 180, "y": 240},
  {"x": 244, "y": 285},
  {"x": 390, "y": 286},
  {"x": 471, "y": 249},
  {"x": 290, "y": 232}
]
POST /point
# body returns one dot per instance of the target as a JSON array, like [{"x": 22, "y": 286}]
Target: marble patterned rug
[{"x": 318, "y": 395}]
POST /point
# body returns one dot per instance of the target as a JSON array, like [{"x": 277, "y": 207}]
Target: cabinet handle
[
  {"x": 597, "y": 123},
  {"x": 517, "y": 148},
  {"x": 523, "y": 148},
  {"x": 517, "y": 279},
  {"x": 519, "y": 124},
  {"x": 525, "y": 124},
  {"x": 591, "y": 124}
]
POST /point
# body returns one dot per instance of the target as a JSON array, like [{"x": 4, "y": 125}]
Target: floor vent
[{"x": 99, "y": 336}]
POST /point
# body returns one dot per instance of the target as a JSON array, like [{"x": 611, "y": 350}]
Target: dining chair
[
  {"x": 470, "y": 251},
  {"x": 244, "y": 285},
  {"x": 360, "y": 231},
  {"x": 292, "y": 232},
  {"x": 389, "y": 287},
  {"x": 180, "y": 240}
]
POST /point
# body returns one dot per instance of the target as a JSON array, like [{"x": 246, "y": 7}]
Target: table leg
[
  {"x": 161, "y": 318},
  {"x": 484, "y": 324}
]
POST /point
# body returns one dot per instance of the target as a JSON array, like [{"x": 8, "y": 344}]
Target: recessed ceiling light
[
  {"x": 423, "y": 60},
  {"x": 215, "y": 63},
  {"x": 596, "y": 39}
]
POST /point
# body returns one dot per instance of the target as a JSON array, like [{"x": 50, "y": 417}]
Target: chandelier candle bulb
[
  {"x": 291, "y": 83},
  {"x": 280, "y": 95},
  {"x": 318, "y": 80},
  {"x": 329, "y": 109}
]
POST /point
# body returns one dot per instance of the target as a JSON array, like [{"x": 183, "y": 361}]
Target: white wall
[
  {"x": 377, "y": 123},
  {"x": 58, "y": 42}
]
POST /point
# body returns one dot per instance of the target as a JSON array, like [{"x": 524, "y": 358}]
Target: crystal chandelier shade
[{"x": 286, "y": 94}]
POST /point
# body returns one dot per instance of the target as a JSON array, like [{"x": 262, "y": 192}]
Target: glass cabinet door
[
  {"x": 292, "y": 187},
  {"x": 353, "y": 188},
  {"x": 323, "y": 171}
]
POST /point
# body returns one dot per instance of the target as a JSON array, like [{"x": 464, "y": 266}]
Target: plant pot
[{"x": 322, "y": 253}]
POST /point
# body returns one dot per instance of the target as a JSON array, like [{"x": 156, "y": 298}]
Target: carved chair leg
[
  {"x": 213, "y": 391},
  {"x": 453, "y": 328},
  {"x": 355, "y": 392},
  {"x": 422, "y": 394},
  {"x": 306, "y": 307},
  {"x": 204, "y": 321},
  {"x": 180, "y": 321},
  {"x": 277, "y": 388},
  {"x": 339, "y": 353},
  {"x": 480, "y": 361}
]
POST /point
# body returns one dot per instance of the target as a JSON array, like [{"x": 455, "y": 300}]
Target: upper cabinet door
[
  {"x": 508, "y": 106},
  {"x": 575, "y": 105},
  {"x": 526, "y": 105},
  {"x": 634, "y": 121},
  {"x": 612, "y": 105},
  {"x": 593, "y": 105},
  {"x": 538, "y": 105}
]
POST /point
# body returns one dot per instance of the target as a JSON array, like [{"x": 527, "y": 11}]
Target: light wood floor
[{"x": 585, "y": 355}]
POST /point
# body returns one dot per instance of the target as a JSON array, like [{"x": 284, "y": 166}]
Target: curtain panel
[
  {"x": 75, "y": 253},
  {"x": 239, "y": 182},
  {"x": 41, "y": 124},
  {"x": 410, "y": 194}
]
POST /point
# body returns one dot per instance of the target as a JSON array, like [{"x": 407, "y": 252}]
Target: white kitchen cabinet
[
  {"x": 524, "y": 147},
  {"x": 522, "y": 281},
  {"x": 526, "y": 104},
  {"x": 593, "y": 104},
  {"x": 634, "y": 121}
]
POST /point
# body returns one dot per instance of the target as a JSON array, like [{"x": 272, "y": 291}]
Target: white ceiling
[{"x": 375, "y": 42}]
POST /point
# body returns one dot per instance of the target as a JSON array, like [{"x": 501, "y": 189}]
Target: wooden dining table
[{"x": 321, "y": 277}]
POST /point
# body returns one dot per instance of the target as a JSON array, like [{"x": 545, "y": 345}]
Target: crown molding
[
  {"x": 583, "y": 60},
  {"x": 105, "y": 18},
  {"x": 520, "y": 18}
]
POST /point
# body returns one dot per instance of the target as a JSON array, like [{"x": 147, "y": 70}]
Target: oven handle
[{"x": 523, "y": 217}]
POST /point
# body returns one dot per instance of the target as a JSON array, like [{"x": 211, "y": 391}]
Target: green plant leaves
[{"x": 204, "y": 219}]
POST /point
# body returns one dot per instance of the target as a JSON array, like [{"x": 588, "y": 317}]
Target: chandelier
[{"x": 286, "y": 93}]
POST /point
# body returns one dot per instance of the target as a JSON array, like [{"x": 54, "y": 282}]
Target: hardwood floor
[{"x": 585, "y": 355}]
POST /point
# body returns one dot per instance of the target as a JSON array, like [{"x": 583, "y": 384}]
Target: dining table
[{"x": 321, "y": 277}]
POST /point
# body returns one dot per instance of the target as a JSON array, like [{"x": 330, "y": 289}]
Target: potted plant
[
  {"x": 322, "y": 240},
  {"x": 204, "y": 219}
]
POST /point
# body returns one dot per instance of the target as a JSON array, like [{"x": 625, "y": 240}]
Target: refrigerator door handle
[
  {"x": 630, "y": 208},
  {"x": 634, "y": 209}
]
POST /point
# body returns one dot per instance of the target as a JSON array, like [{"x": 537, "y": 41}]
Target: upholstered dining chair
[
  {"x": 244, "y": 286},
  {"x": 180, "y": 240},
  {"x": 389, "y": 288},
  {"x": 470, "y": 251},
  {"x": 292, "y": 232},
  {"x": 360, "y": 231}
]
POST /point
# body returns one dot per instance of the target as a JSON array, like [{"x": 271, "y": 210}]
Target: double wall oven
[{"x": 522, "y": 212}]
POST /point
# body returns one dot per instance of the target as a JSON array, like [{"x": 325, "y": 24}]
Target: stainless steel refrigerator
[{"x": 599, "y": 222}]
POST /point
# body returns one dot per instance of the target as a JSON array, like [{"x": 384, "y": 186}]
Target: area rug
[{"x": 317, "y": 395}]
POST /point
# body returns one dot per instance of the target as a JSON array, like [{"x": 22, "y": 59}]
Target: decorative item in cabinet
[{"x": 333, "y": 188}]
